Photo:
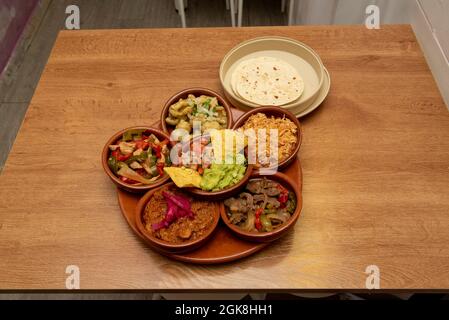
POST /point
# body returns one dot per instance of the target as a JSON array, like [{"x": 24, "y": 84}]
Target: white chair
[
  {"x": 180, "y": 5},
  {"x": 231, "y": 5},
  {"x": 235, "y": 6},
  {"x": 290, "y": 9}
]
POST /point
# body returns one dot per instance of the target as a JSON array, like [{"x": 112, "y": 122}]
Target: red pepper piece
[
  {"x": 123, "y": 157},
  {"x": 141, "y": 144},
  {"x": 119, "y": 156},
  {"x": 283, "y": 197},
  {"x": 257, "y": 222},
  {"x": 160, "y": 168},
  {"x": 157, "y": 149}
]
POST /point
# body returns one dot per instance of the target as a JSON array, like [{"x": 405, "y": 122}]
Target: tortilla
[{"x": 267, "y": 81}]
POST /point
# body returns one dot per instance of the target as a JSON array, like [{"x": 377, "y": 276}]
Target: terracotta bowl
[
  {"x": 221, "y": 194},
  {"x": 196, "y": 92},
  {"x": 225, "y": 193},
  {"x": 123, "y": 185},
  {"x": 284, "y": 228},
  {"x": 277, "y": 112},
  {"x": 164, "y": 245}
]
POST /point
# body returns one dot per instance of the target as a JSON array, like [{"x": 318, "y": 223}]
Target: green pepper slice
[
  {"x": 132, "y": 134},
  {"x": 266, "y": 223}
]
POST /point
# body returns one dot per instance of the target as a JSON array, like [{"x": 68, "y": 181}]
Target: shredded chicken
[{"x": 287, "y": 134}]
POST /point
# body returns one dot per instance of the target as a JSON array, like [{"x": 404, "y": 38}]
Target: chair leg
[
  {"x": 258, "y": 296},
  {"x": 283, "y": 6},
  {"x": 157, "y": 296},
  {"x": 290, "y": 12},
  {"x": 240, "y": 13},
  {"x": 227, "y": 5},
  {"x": 182, "y": 13},
  {"x": 232, "y": 4}
]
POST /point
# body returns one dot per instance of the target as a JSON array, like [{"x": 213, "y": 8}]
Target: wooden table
[{"x": 375, "y": 158}]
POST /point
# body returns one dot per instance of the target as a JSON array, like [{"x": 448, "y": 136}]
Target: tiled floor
[{"x": 18, "y": 82}]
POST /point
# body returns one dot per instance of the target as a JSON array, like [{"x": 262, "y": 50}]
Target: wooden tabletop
[{"x": 375, "y": 160}]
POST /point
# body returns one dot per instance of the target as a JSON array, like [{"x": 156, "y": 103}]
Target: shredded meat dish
[{"x": 287, "y": 135}]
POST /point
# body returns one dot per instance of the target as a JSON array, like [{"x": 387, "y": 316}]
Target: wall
[
  {"x": 14, "y": 15},
  {"x": 437, "y": 14},
  {"x": 429, "y": 19},
  {"x": 349, "y": 11},
  {"x": 430, "y": 22}
]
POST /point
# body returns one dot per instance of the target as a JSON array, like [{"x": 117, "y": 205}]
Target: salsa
[{"x": 197, "y": 167}]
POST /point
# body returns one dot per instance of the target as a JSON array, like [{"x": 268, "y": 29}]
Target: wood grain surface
[{"x": 375, "y": 161}]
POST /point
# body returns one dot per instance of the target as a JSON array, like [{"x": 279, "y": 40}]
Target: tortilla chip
[{"x": 184, "y": 177}]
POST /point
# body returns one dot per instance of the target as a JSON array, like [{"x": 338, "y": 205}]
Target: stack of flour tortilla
[{"x": 267, "y": 81}]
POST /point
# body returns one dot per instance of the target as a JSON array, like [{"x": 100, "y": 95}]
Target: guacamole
[{"x": 220, "y": 176}]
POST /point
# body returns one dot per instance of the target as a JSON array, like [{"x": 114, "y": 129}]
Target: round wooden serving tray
[{"x": 223, "y": 246}]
